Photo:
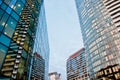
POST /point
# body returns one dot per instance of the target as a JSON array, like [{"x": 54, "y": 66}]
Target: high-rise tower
[
  {"x": 38, "y": 68},
  {"x": 41, "y": 45},
  {"x": 76, "y": 66},
  {"x": 18, "y": 24},
  {"x": 100, "y": 25}
]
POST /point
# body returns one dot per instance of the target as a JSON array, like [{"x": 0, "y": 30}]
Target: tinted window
[
  {"x": 18, "y": 7},
  {"x": 10, "y": 27},
  {"x": 5, "y": 40}
]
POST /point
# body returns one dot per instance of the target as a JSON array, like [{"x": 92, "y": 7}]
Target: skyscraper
[
  {"x": 18, "y": 25},
  {"x": 100, "y": 25},
  {"x": 41, "y": 45},
  {"x": 38, "y": 68},
  {"x": 76, "y": 66}
]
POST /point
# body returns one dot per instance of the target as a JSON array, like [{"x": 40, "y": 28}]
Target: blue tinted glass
[
  {"x": 8, "y": 31},
  {"x": 23, "y": 1},
  {"x": 12, "y": 3},
  {"x": 10, "y": 27},
  {"x": 11, "y": 23},
  {"x": 3, "y": 48},
  {"x": 8, "y": 10},
  {"x": 3, "y": 21},
  {"x": 18, "y": 7},
  {"x": 1, "y": 13},
  {"x": 3, "y": 6},
  {"x": 1, "y": 28},
  {"x": 5, "y": 40},
  {"x": 0, "y": 2},
  {"x": 15, "y": 16}
]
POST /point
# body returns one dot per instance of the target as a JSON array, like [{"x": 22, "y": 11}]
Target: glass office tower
[
  {"x": 18, "y": 22},
  {"x": 100, "y": 25},
  {"x": 41, "y": 45},
  {"x": 76, "y": 66}
]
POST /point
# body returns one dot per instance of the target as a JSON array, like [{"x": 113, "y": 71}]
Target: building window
[
  {"x": 3, "y": 6},
  {"x": 10, "y": 27},
  {"x": 3, "y": 20},
  {"x": 8, "y": 10},
  {"x": 5, "y": 40},
  {"x": 18, "y": 7},
  {"x": 15, "y": 16},
  {"x": 12, "y": 3}
]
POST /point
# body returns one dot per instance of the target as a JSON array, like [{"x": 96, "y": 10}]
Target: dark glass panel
[
  {"x": 1, "y": 14},
  {"x": 14, "y": 15},
  {"x": 3, "y": 6},
  {"x": 8, "y": 10},
  {"x": 5, "y": 40}
]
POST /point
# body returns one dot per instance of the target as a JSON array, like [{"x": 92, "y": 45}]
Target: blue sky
[{"x": 64, "y": 33}]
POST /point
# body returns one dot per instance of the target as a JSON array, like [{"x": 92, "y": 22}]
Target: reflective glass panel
[
  {"x": 5, "y": 40},
  {"x": 14, "y": 15},
  {"x": 3, "y": 6},
  {"x": 8, "y": 10},
  {"x": 3, "y": 20},
  {"x": 10, "y": 27},
  {"x": 18, "y": 7}
]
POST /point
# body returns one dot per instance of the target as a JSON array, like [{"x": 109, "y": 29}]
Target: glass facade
[
  {"x": 41, "y": 45},
  {"x": 76, "y": 66},
  {"x": 100, "y": 25},
  {"x": 18, "y": 25}
]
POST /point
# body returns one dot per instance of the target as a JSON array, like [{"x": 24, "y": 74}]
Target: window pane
[
  {"x": 3, "y": 21},
  {"x": 12, "y": 3},
  {"x": 18, "y": 7},
  {"x": 5, "y": 40},
  {"x": 3, "y": 6},
  {"x": 14, "y": 15},
  {"x": 8, "y": 10},
  {"x": 8, "y": 31},
  {"x": 3, "y": 51},
  {"x": 11, "y": 23},
  {"x": 1, "y": 13},
  {"x": 10, "y": 27}
]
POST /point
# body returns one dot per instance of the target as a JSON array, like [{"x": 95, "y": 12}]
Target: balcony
[
  {"x": 8, "y": 74},
  {"x": 8, "y": 60},
  {"x": 7, "y": 69},
  {"x": 14, "y": 71},
  {"x": 9, "y": 64}
]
